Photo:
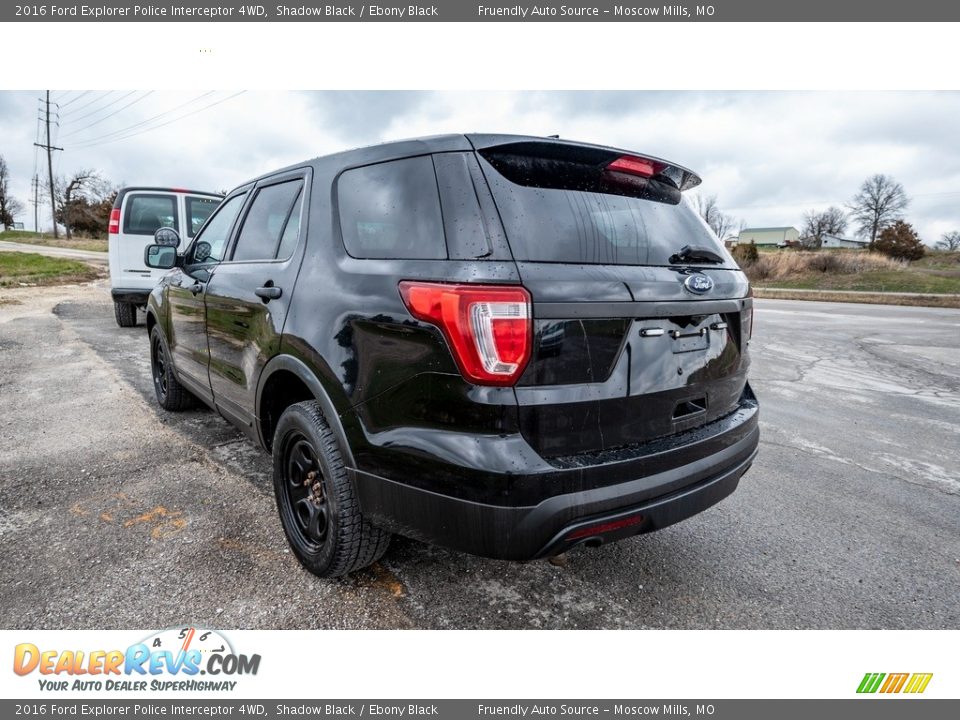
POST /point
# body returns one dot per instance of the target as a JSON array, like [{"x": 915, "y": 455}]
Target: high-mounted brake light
[
  {"x": 632, "y": 165},
  {"x": 114, "y": 226},
  {"x": 488, "y": 326}
]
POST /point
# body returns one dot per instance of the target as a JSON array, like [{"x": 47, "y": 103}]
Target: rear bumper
[
  {"x": 647, "y": 500},
  {"x": 137, "y": 296}
]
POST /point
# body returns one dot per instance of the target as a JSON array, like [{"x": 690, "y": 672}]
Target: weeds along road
[
  {"x": 91, "y": 256},
  {"x": 115, "y": 514}
]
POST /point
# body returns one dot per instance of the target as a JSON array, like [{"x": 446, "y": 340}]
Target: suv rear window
[
  {"x": 146, "y": 213},
  {"x": 392, "y": 210},
  {"x": 561, "y": 212},
  {"x": 198, "y": 210}
]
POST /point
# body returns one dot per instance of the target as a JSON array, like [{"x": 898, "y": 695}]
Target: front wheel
[
  {"x": 170, "y": 393},
  {"x": 318, "y": 506}
]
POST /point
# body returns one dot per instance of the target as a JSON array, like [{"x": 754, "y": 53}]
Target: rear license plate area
[{"x": 684, "y": 342}]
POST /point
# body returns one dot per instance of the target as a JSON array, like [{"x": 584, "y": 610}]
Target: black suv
[{"x": 505, "y": 345}]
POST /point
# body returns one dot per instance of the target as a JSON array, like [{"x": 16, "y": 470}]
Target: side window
[
  {"x": 288, "y": 241},
  {"x": 211, "y": 243},
  {"x": 145, "y": 214},
  {"x": 198, "y": 210},
  {"x": 392, "y": 210},
  {"x": 270, "y": 214}
]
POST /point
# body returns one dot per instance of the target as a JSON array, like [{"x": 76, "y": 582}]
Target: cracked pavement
[{"x": 115, "y": 514}]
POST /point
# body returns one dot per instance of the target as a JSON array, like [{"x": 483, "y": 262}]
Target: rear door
[
  {"x": 632, "y": 342},
  {"x": 141, "y": 214},
  {"x": 249, "y": 293}
]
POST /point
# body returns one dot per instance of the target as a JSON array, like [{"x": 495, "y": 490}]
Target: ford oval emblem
[{"x": 698, "y": 284}]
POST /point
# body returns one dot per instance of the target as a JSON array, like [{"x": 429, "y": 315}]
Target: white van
[{"x": 136, "y": 215}]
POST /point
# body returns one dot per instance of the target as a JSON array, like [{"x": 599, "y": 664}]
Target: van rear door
[
  {"x": 141, "y": 214},
  {"x": 641, "y": 317}
]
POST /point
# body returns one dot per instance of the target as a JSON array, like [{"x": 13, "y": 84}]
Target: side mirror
[
  {"x": 167, "y": 236},
  {"x": 160, "y": 257},
  {"x": 202, "y": 251}
]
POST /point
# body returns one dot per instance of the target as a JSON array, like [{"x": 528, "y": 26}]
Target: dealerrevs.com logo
[{"x": 178, "y": 659}]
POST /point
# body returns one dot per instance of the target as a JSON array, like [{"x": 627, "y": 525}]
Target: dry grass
[
  {"x": 771, "y": 267},
  {"x": 77, "y": 242}
]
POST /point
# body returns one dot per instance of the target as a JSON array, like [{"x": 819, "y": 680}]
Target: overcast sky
[{"x": 767, "y": 156}]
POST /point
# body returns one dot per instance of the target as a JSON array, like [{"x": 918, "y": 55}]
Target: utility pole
[
  {"x": 49, "y": 148},
  {"x": 36, "y": 203}
]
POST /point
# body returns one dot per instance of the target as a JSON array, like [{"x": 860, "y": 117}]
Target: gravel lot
[{"x": 115, "y": 514}]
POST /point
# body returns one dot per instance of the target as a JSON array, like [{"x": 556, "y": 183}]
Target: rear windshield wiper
[{"x": 695, "y": 254}]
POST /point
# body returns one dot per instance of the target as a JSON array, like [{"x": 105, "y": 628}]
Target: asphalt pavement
[{"x": 116, "y": 514}]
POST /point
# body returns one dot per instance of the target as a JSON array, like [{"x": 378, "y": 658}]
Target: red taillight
[
  {"x": 488, "y": 326},
  {"x": 632, "y": 165},
  {"x": 114, "y": 226},
  {"x": 607, "y": 527}
]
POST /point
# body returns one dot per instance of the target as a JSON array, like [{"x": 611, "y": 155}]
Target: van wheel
[
  {"x": 318, "y": 506},
  {"x": 170, "y": 393},
  {"x": 126, "y": 314}
]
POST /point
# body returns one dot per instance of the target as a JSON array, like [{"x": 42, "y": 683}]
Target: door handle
[
  {"x": 268, "y": 292},
  {"x": 196, "y": 288}
]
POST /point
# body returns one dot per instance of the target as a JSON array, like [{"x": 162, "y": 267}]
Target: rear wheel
[
  {"x": 125, "y": 313},
  {"x": 170, "y": 393},
  {"x": 318, "y": 506}
]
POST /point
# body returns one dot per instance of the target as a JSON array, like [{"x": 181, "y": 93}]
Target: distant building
[
  {"x": 770, "y": 236},
  {"x": 834, "y": 241}
]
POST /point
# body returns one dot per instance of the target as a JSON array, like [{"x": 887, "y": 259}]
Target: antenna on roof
[{"x": 556, "y": 137}]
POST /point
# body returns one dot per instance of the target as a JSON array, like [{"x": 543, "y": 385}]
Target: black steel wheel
[
  {"x": 316, "y": 499},
  {"x": 170, "y": 393}
]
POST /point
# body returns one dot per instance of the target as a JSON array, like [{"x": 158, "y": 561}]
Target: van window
[
  {"x": 145, "y": 214},
  {"x": 198, "y": 210},
  {"x": 264, "y": 225},
  {"x": 392, "y": 210}
]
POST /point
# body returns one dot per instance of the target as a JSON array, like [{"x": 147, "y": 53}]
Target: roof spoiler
[{"x": 597, "y": 158}]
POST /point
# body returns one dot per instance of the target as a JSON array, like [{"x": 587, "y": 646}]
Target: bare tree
[
  {"x": 832, "y": 221},
  {"x": 949, "y": 241},
  {"x": 82, "y": 185},
  {"x": 880, "y": 202},
  {"x": 10, "y": 207},
  {"x": 723, "y": 225}
]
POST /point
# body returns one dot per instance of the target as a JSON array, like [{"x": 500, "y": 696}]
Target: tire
[
  {"x": 170, "y": 393},
  {"x": 322, "y": 521},
  {"x": 126, "y": 314}
]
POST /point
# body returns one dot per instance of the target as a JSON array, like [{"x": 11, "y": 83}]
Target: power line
[
  {"x": 157, "y": 127},
  {"x": 99, "y": 109},
  {"x": 814, "y": 203},
  {"x": 143, "y": 122},
  {"x": 88, "y": 104},
  {"x": 105, "y": 117},
  {"x": 85, "y": 92}
]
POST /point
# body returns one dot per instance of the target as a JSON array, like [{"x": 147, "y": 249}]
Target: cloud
[{"x": 768, "y": 156}]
